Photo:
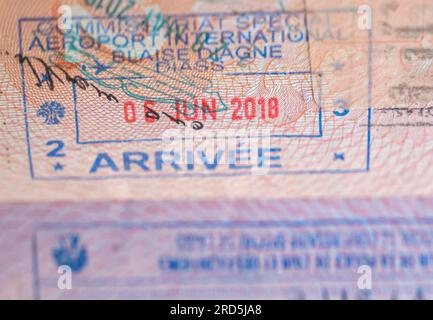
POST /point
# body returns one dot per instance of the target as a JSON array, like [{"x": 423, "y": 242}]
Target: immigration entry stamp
[{"x": 205, "y": 94}]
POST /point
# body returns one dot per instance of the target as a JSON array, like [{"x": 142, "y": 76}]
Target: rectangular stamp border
[
  {"x": 319, "y": 114},
  {"x": 174, "y": 225},
  {"x": 189, "y": 175}
]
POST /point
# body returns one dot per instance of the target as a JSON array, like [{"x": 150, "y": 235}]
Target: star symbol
[
  {"x": 339, "y": 156},
  {"x": 58, "y": 166}
]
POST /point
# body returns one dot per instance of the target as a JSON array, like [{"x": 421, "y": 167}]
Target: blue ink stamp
[
  {"x": 51, "y": 112},
  {"x": 70, "y": 252},
  {"x": 118, "y": 140}
]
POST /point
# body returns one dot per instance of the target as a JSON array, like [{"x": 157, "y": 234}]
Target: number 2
[{"x": 55, "y": 152}]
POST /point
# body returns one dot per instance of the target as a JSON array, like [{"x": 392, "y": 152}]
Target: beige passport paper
[{"x": 215, "y": 99}]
